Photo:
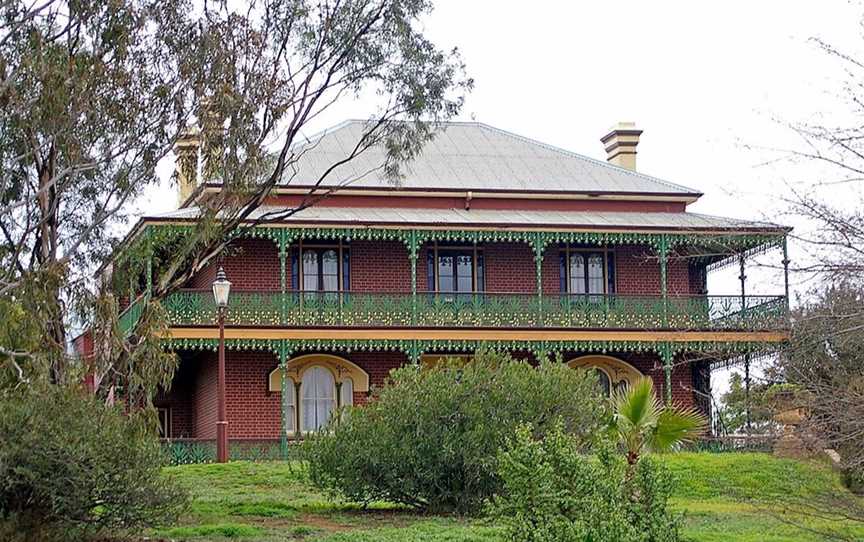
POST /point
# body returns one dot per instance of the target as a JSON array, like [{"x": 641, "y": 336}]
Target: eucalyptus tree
[
  {"x": 94, "y": 94},
  {"x": 91, "y": 94}
]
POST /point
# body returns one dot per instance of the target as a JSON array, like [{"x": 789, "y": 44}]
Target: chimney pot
[
  {"x": 186, "y": 150},
  {"x": 620, "y": 144}
]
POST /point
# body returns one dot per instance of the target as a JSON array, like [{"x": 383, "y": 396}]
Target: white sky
[{"x": 704, "y": 80}]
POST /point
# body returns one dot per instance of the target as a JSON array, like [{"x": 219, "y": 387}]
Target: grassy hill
[{"x": 728, "y": 497}]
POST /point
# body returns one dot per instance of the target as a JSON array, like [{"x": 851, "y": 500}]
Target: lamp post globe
[{"x": 221, "y": 289}]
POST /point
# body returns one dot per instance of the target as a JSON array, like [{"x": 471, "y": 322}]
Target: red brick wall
[
  {"x": 377, "y": 364},
  {"x": 510, "y": 268},
  {"x": 205, "y": 414},
  {"x": 250, "y": 264},
  {"x": 253, "y": 412},
  {"x": 382, "y": 267},
  {"x": 638, "y": 272}
]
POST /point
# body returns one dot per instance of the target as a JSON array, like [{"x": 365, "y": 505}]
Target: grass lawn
[{"x": 728, "y": 497}]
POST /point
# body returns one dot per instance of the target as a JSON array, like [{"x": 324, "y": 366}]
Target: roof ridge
[{"x": 588, "y": 158}]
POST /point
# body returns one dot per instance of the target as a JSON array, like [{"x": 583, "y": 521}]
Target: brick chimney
[
  {"x": 621, "y": 143},
  {"x": 186, "y": 151}
]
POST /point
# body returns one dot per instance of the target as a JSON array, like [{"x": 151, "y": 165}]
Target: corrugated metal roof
[
  {"x": 469, "y": 156},
  {"x": 485, "y": 217}
]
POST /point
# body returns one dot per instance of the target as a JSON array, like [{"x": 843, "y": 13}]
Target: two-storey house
[{"x": 492, "y": 241}]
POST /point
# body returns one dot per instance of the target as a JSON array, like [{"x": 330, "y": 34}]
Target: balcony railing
[{"x": 478, "y": 310}]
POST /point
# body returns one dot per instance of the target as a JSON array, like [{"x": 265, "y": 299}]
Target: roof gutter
[{"x": 679, "y": 197}]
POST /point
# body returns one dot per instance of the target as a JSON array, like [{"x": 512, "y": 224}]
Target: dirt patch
[{"x": 324, "y": 523}]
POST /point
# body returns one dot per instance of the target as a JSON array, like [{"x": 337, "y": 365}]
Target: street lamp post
[{"x": 221, "y": 289}]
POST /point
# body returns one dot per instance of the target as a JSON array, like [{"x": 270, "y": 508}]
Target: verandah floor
[{"x": 728, "y": 497}]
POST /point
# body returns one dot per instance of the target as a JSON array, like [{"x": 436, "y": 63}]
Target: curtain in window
[
  {"x": 346, "y": 393},
  {"x": 310, "y": 270},
  {"x": 577, "y": 274},
  {"x": 318, "y": 391},
  {"x": 330, "y": 271},
  {"x": 445, "y": 273},
  {"x": 595, "y": 274},
  {"x": 321, "y": 270}
]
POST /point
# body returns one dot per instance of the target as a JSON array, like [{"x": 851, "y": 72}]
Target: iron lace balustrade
[
  {"x": 481, "y": 310},
  {"x": 130, "y": 316}
]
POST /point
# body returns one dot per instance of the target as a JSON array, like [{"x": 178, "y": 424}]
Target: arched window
[
  {"x": 613, "y": 374},
  {"x": 318, "y": 390},
  {"x": 319, "y": 376}
]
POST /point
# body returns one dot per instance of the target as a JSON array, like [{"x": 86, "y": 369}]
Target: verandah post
[
  {"x": 666, "y": 355},
  {"x": 743, "y": 278},
  {"x": 283, "y": 365},
  {"x": 539, "y": 246},
  {"x": 663, "y": 253},
  {"x": 413, "y": 253},
  {"x": 283, "y": 279},
  {"x": 665, "y": 348}
]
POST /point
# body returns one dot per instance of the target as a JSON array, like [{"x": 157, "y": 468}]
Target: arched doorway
[
  {"x": 318, "y": 384},
  {"x": 613, "y": 373}
]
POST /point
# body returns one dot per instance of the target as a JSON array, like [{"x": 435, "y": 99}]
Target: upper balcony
[{"x": 486, "y": 310}]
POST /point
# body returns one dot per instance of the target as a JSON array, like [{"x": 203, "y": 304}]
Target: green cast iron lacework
[
  {"x": 488, "y": 310},
  {"x": 284, "y": 349},
  {"x": 155, "y": 234}
]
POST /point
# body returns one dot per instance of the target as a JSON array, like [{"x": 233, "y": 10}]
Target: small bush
[
  {"x": 430, "y": 437},
  {"x": 71, "y": 467},
  {"x": 554, "y": 493}
]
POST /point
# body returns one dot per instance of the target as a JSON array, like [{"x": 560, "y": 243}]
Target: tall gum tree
[{"x": 95, "y": 93}]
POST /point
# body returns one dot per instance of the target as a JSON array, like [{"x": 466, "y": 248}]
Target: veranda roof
[{"x": 483, "y": 218}]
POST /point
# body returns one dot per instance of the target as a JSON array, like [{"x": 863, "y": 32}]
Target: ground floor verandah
[{"x": 320, "y": 381}]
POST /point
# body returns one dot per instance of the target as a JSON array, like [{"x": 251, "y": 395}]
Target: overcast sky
[{"x": 704, "y": 80}]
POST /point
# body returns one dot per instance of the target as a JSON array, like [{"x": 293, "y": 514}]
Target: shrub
[
  {"x": 554, "y": 493},
  {"x": 431, "y": 436},
  {"x": 71, "y": 467}
]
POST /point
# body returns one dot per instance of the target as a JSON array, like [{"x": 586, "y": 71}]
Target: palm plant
[{"x": 644, "y": 424}]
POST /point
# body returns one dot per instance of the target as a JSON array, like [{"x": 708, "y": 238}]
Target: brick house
[{"x": 491, "y": 240}]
